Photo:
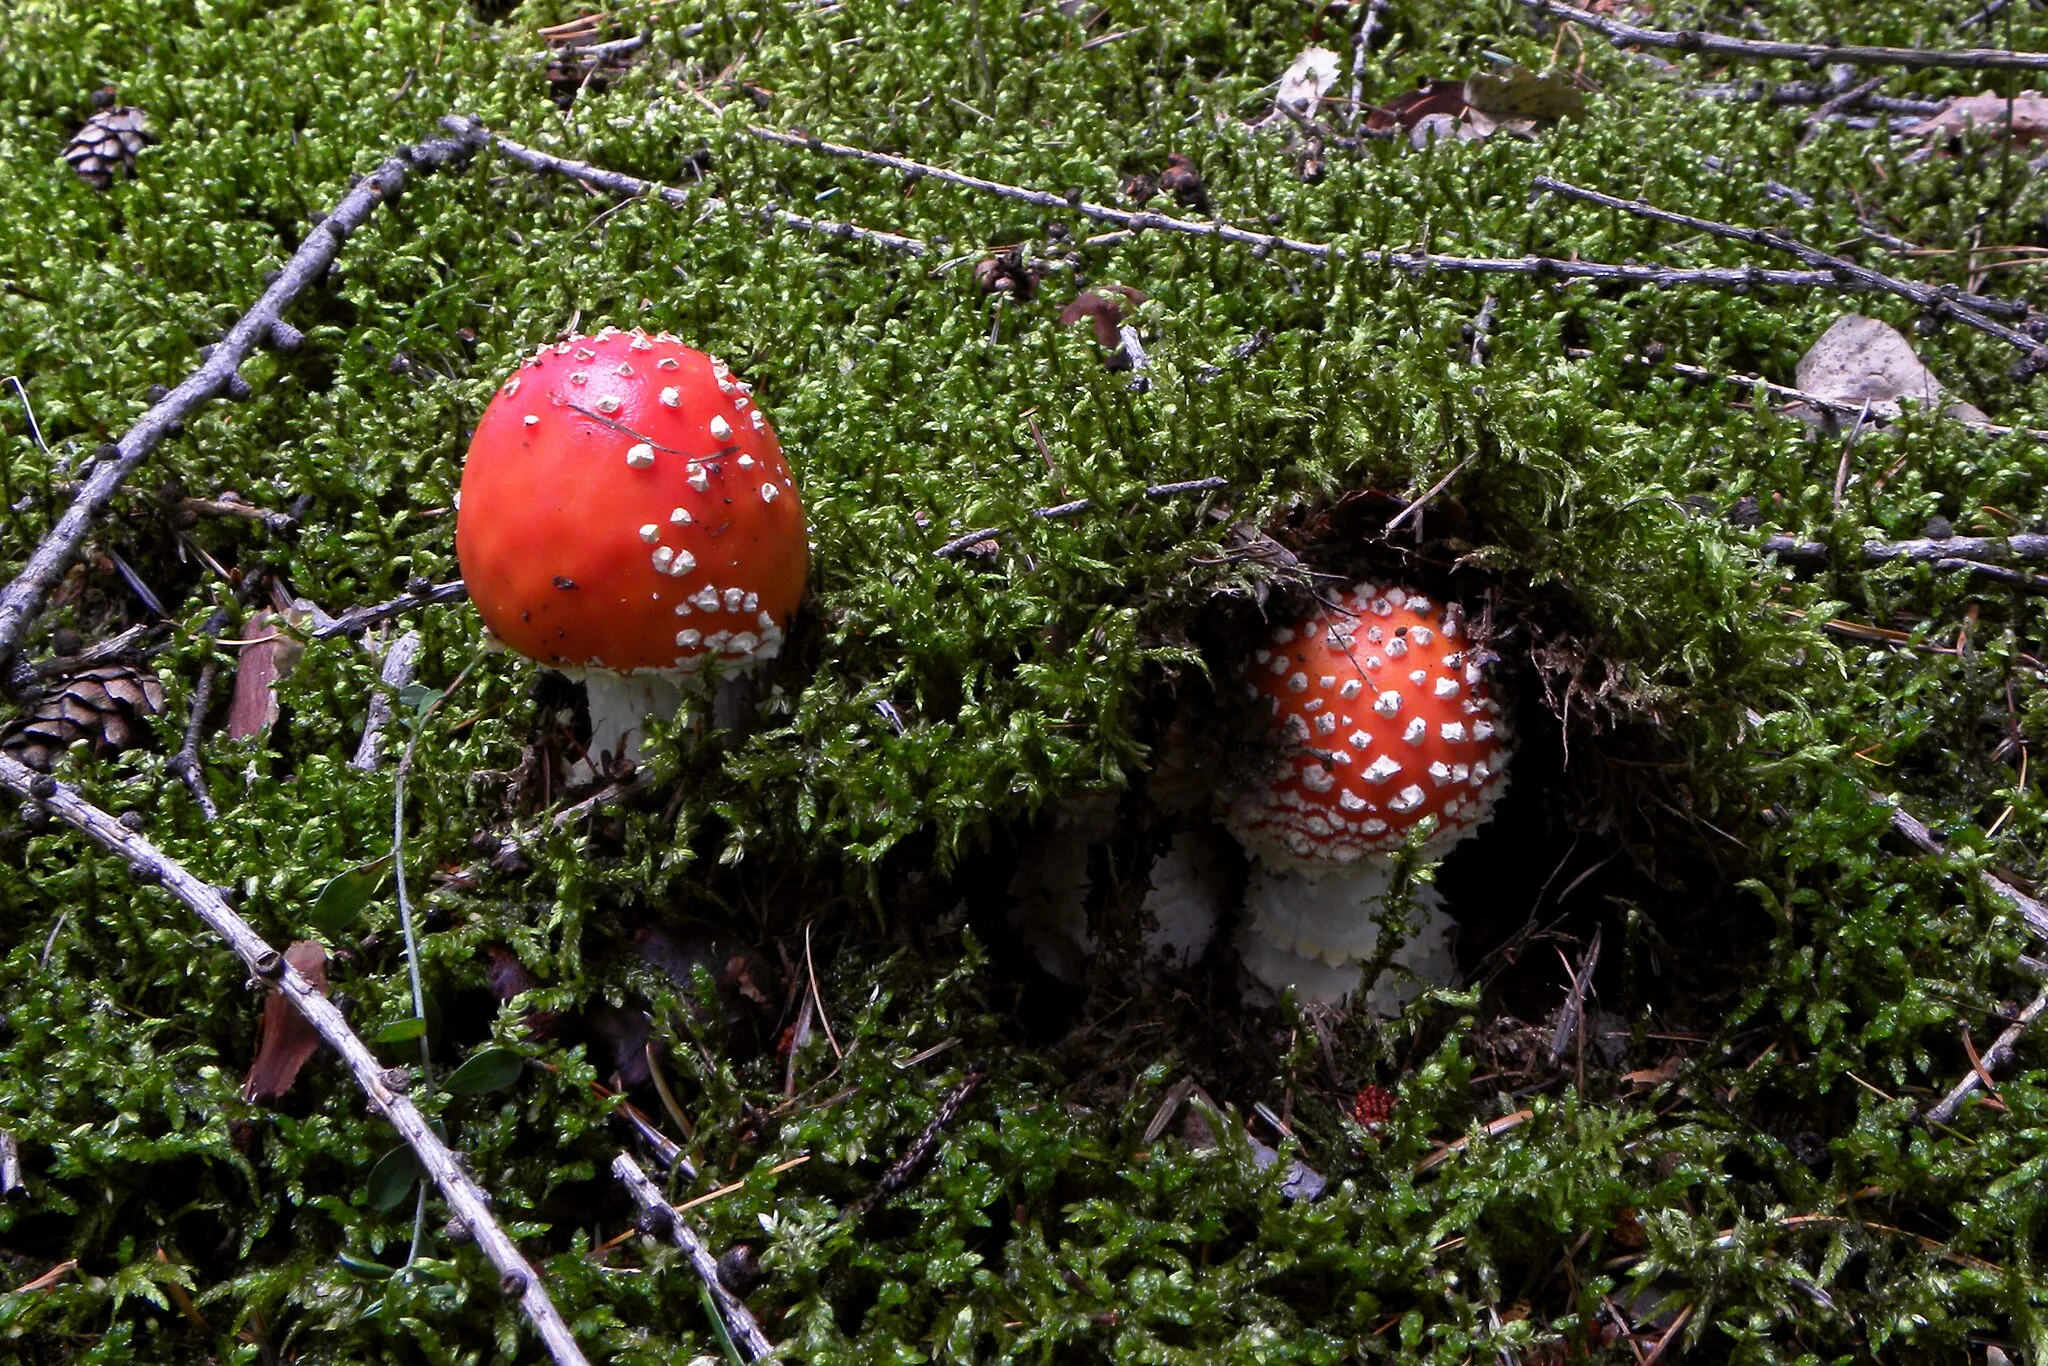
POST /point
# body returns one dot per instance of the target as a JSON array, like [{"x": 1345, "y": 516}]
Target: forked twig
[
  {"x": 632, "y": 187},
  {"x": 385, "y": 1089},
  {"x": 1972, "y": 310},
  {"x": 1078, "y": 506},
  {"x": 739, "y": 1320},
  {"x": 2001, "y": 1049},
  {"x": 1819, "y": 54},
  {"x": 23, "y": 598}
]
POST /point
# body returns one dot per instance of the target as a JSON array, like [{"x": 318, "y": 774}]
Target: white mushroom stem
[
  {"x": 620, "y": 705},
  {"x": 1313, "y": 931}
]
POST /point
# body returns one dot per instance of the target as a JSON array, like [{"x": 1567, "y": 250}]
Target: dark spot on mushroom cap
[{"x": 561, "y": 582}]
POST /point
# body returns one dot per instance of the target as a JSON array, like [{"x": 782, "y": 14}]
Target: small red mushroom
[
  {"x": 626, "y": 514},
  {"x": 1386, "y": 720}
]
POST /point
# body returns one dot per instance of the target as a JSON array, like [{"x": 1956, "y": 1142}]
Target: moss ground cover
[{"x": 1728, "y": 1153}]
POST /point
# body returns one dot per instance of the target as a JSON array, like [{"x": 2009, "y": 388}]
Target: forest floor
[{"x": 1519, "y": 305}]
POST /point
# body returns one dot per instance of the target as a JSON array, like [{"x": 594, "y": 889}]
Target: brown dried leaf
[
  {"x": 269, "y": 657},
  {"x": 1860, "y": 360},
  {"x": 1986, "y": 112},
  {"x": 1517, "y": 93},
  {"x": 1104, "y": 309},
  {"x": 284, "y": 1041},
  {"x": 1431, "y": 97}
]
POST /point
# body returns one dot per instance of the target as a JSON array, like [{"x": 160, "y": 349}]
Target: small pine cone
[
  {"x": 108, "y": 145},
  {"x": 108, "y": 707}
]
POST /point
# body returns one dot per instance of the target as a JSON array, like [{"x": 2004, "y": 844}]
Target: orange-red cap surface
[
  {"x": 1385, "y": 718},
  {"x": 626, "y": 506}
]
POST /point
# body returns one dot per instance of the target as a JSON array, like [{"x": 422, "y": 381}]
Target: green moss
[{"x": 1811, "y": 979}]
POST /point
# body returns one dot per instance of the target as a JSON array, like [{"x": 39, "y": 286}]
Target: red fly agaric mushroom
[
  {"x": 1385, "y": 720},
  {"x": 626, "y": 516}
]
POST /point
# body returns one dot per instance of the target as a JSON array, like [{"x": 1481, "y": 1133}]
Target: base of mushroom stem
[
  {"x": 1315, "y": 931},
  {"x": 621, "y": 705}
]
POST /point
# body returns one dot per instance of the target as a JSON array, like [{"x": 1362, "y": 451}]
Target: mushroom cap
[
  {"x": 625, "y": 506},
  {"x": 1385, "y": 717}
]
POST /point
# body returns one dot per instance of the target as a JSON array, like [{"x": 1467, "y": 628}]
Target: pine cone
[
  {"x": 108, "y": 707},
  {"x": 108, "y": 145}
]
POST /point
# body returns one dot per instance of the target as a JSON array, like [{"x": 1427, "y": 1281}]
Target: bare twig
[
  {"x": 185, "y": 765},
  {"x": 2000, "y": 1051},
  {"x": 1075, "y": 508},
  {"x": 632, "y": 187},
  {"x": 1781, "y": 94},
  {"x": 421, "y": 594},
  {"x": 2026, "y": 546},
  {"x": 905, "y": 1168},
  {"x": 1411, "y": 263},
  {"x": 11, "y": 1184},
  {"x": 23, "y": 598},
  {"x": 1972, "y": 310},
  {"x": 400, "y": 659},
  {"x": 2033, "y": 912},
  {"x": 1361, "y": 44},
  {"x": 1571, "y": 1016},
  {"x": 739, "y": 1320},
  {"x": 385, "y": 1089},
  {"x": 1818, "y": 54}
]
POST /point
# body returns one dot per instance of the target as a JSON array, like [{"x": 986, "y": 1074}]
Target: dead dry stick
[
  {"x": 739, "y": 1320},
  {"x": 186, "y": 765},
  {"x": 1997, "y": 1055},
  {"x": 632, "y": 187},
  {"x": 905, "y": 1168},
  {"x": 2033, "y": 912},
  {"x": 1078, "y": 506},
  {"x": 1972, "y": 310},
  {"x": 1948, "y": 551},
  {"x": 1818, "y": 54},
  {"x": 1410, "y": 263},
  {"x": 1361, "y": 44},
  {"x": 22, "y": 599},
  {"x": 421, "y": 594},
  {"x": 10, "y": 1167},
  {"x": 385, "y": 1088},
  {"x": 400, "y": 659}
]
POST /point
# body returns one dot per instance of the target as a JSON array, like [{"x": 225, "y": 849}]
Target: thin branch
[
  {"x": 1075, "y": 508},
  {"x": 1972, "y": 310},
  {"x": 1264, "y": 243},
  {"x": 1361, "y": 44},
  {"x": 1798, "y": 93},
  {"x": 1719, "y": 45},
  {"x": 2026, "y": 546},
  {"x": 22, "y": 599},
  {"x": 400, "y": 659},
  {"x": 385, "y": 1088},
  {"x": 632, "y": 187},
  {"x": 185, "y": 765},
  {"x": 2000, "y": 1051},
  {"x": 419, "y": 595},
  {"x": 905, "y": 1168},
  {"x": 1921, "y": 838},
  {"x": 1819, "y": 402},
  {"x": 739, "y": 1320}
]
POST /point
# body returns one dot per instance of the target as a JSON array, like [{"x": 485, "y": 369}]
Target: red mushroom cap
[
  {"x": 1385, "y": 715},
  {"x": 625, "y": 506}
]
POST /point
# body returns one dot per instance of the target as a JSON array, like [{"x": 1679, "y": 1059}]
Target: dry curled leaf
[
  {"x": 1861, "y": 360},
  {"x": 1103, "y": 306},
  {"x": 284, "y": 1041},
  {"x": 1987, "y": 113},
  {"x": 1431, "y": 97},
  {"x": 267, "y": 659},
  {"x": 1517, "y": 93},
  {"x": 1303, "y": 85}
]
